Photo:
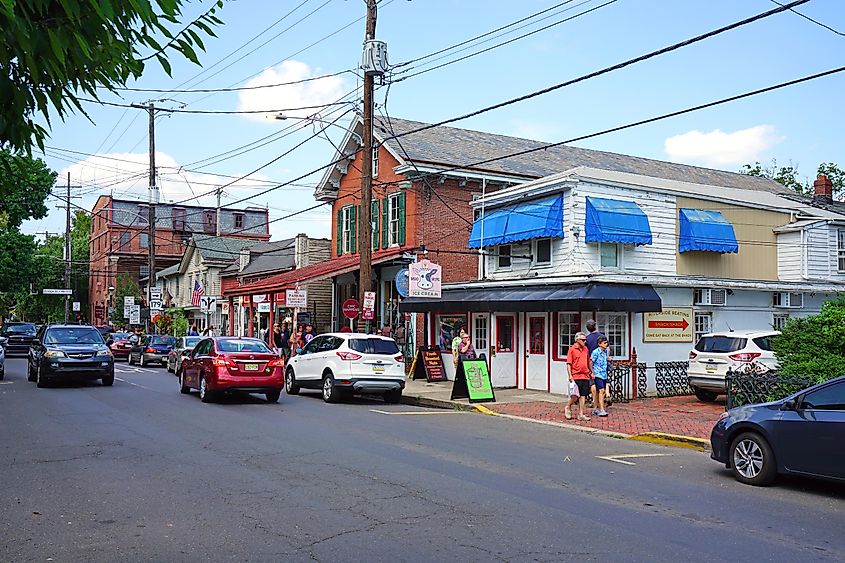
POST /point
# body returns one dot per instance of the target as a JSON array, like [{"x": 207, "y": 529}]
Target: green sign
[{"x": 472, "y": 381}]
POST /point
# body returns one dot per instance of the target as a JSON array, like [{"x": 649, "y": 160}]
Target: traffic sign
[
  {"x": 76, "y": 306},
  {"x": 128, "y": 301},
  {"x": 155, "y": 304},
  {"x": 351, "y": 308},
  {"x": 57, "y": 291},
  {"x": 208, "y": 304},
  {"x": 369, "y": 314},
  {"x": 369, "y": 300},
  {"x": 135, "y": 315},
  {"x": 296, "y": 298},
  {"x": 155, "y": 293}
]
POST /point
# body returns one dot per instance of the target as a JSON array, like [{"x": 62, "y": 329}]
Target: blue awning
[
  {"x": 537, "y": 218},
  {"x": 706, "y": 230},
  {"x": 609, "y": 220}
]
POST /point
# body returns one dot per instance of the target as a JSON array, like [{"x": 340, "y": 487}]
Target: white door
[
  {"x": 480, "y": 333},
  {"x": 536, "y": 351},
  {"x": 503, "y": 364}
]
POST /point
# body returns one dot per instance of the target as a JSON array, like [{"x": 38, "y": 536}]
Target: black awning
[{"x": 591, "y": 296}]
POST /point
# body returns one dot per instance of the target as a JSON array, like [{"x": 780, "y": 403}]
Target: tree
[
  {"x": 814, "y": 346},
  {"x": 124, "y": 286},
  {"x": 80, "y": 235},
  {"x": 53, "y": 53},
  {"x": 25, "y": 183},
  {"x": 789, "y": 177}
]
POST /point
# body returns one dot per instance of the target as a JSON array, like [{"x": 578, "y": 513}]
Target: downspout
[
  {"x": 481, "y": 244},
  {"x": 804, "y": 251}
]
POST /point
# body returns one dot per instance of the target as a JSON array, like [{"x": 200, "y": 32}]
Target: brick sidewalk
[{"x": 686, "y": 416}]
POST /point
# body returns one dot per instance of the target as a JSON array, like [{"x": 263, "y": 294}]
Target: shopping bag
[{"x": 573, "y": 389}]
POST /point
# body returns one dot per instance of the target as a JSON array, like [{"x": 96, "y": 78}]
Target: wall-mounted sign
[
  {"x": 424, "y": 279},
  {"x": 402, "y": 281},
  {"x": 224, "y": 308},
  {"x": 296, "y": 298},
  {"x": 259, "y": 298},
  {"x": 673, "y": 324},
  {"x": 263, "y": 307}
]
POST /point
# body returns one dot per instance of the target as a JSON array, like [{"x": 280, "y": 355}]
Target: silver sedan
[{"x": 182, "y": 349}]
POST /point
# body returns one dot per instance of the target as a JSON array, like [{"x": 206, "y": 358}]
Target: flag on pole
[{"x": 197, "y": 294}]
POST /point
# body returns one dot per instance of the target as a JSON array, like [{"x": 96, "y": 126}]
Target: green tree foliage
[
  {"x": 179, "y": 324},
  {"x": 814, "y": 346},
  {"x": 80, "y": 235},
  {"x": 53, "y": 52},
  {"x": 24, "y": 185},
  {"x": 47, "y": 270},
  {"x": 124, "y": 286},
  {"x": 789, "y": 176}
]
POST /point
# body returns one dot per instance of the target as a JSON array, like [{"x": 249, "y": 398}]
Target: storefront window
[
  {"x": 567, "y": 325},
  {"x": 448, "y": 327},
  {"x": 504, "y": 334},
  {"x": 615, "y": 327}
]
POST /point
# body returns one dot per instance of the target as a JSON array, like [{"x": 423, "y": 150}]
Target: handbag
[{"x": 573, "y": 389}]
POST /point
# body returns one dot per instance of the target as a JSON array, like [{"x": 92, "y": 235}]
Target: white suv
[
  {"x": 715, "y": 353},
  {"x": 343, "y": 364}
]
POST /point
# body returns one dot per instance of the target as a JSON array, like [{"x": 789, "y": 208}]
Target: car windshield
[
  {"x": 73, "y": 336},
  {"x": 238, "y": 345},
  {"x": 720, "y": 344},
  {"x": 380, "y": 346},
  {"x": 191, "y": 341},
  {"x": 120, "y": 336},
  {"x": 20, "y": 329},
  {"x": 163, "y": 340}
]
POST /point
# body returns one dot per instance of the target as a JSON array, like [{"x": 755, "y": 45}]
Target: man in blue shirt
[
  {"x": 599, "y": 360},
  {"x": 593, "y": 336}
]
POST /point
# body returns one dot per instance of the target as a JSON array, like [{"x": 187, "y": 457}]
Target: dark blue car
[{"x": 800, "y": 435}]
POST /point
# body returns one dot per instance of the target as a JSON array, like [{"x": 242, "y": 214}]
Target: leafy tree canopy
[
  {"x": 789, "y": 176},
  {"x": 24, "y": 185},
  {"x": 52, "y": 52},
  {"x": 814, "y": 346}
]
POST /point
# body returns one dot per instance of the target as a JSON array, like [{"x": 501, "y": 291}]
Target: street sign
[
  {"x": 155, "y": 293},
  {"x": 351, "y": 308},
  {"x": 670, "y": 325},
  {"x": 57, "y": 291},
  {"x": 296, "y": 298},
  {"x": 368, "y": 315},
  {"x": 369, "y": 300},
  {"x": 155, "y": 304},
  {"x": 128, "y": 301},
  {"x": 76, "y": 306},
  {"x": 208, "y": 304},
  {"x": 135, "y": 315}
]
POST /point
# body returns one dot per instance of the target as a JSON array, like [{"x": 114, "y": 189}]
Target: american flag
[{"x": 197, "y": 294}]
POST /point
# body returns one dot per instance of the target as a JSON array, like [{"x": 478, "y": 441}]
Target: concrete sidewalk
[{"x": 683, "y": 421}]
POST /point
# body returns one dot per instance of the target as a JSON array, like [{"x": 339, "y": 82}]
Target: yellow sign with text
[{"x": 673, "y": 324}]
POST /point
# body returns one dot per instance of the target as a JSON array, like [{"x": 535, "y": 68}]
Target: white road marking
[
  {"x": 416, "y": 412},
  {"x": 622, "y": 457},
  {"x": 6, "y": 382}
]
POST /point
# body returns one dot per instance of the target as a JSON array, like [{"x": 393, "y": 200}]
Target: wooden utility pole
[
  {"x": 153, "y": 200},
  {"x": 365, "y": 234},
  {"x": 67, "y": 249}
]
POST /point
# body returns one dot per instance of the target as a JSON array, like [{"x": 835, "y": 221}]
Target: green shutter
[
  {"x": 401, "y": 218},
  {"x": 374, "y": 219},
  {"x": 385, "y": 239},
  {"x": 353, "y": 242},
  {"x": 340, "y": 232}
]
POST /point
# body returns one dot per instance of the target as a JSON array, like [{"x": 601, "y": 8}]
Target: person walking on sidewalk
[
  {"x": 593, "y": 335},
  {"x": 598, "y": 359},
  {"x": 578, "y": 369}
]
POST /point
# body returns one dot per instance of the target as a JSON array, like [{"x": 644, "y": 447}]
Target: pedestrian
[
  {"x": 274, "y": 339},
  {"x": 386, "y": 330},
  {"x": 345, "y": 328},
  {"x": 579, "y": 371},
  {"x": 598, "y": 359},
  {"x": 399, "y": 336},
  {"x": 209, "y": 331},
  {"x": 378, "y": 332},
  {"x": 593, "y": 335},
  {"x": 466, "y": 351},
  {"x": 285, "y": 344},
  {"x": 309, "y": 334},
  {"x": 193, "y": 331},
  {"x": 456, "y": 343}
]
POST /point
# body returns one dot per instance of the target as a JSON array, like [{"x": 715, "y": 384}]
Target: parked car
[
  {"x": 180, "y": 351},
  {"x": 342, "y": 364},
  {"x": 232, "y": 364},
  {"x": 69, "y": 351},
  {"x": 19, "y": 337},
  {"x": 715, "y": 353},
  {"x": 120, "y": 345},
  {"x": 153, "y": 348},
  {"x": 801, "y": 435},
  {"x": 3, "y": 341}
]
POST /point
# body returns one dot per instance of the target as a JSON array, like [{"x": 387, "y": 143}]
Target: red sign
[
  {"x": 682, "y": 324},
  {"x": 351, "y": 308},
  {"x": 369, "y": 314}
]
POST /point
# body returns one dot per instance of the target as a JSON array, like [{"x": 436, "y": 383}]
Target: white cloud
[
  {"x": 305, "y": 94},
  {"x": 535, "y": 130},
  {"x": 720, "y": 148}
]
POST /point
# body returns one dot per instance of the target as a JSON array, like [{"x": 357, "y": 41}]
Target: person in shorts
[
  {"x": 579, "y": 370},
  {"x": 598, "y": 359}
]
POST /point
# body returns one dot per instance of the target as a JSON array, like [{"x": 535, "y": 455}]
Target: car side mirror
[
  {"x": 300, "y": 351},
  {"x": 790, "y": 405}
]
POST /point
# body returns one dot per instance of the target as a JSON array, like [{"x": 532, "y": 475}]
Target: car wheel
[
  {"x": 330, "y": 394},
  {"x": 752, "y": 459},
  {"x": 184, "y": 389},
  {"x": 291, "y": 388},
  {"x": 129, "y": 359},
  {"x": 705, "y": 396},
  {"x": 2, "y": 373},
  {"x": 393, "y": 397},
  {"x": 40, "y": 380},
  {"x": 108, "y": 380},
  {"x": 30, "y": 375},
  {"x": 141, "y": 361},
  {"x": 273, "y": 396},
  {"x": 206, "y": 396}
]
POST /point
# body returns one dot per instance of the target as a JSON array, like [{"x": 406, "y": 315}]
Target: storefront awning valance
[
  {"x": 537, "y": 218},
  {"x": 609, "y": 220},
  {"x": 703, "y": 229},
  {"x": 591, "y": 296}
]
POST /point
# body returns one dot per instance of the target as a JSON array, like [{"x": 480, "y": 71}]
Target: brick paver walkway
[{"x": 686, "y": 416}]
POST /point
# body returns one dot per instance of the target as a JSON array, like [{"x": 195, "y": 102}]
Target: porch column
[
  {"x": 231, "y": 316},
  {"x": 251, "y": 325},
  {"x": 272, "y": 311}
]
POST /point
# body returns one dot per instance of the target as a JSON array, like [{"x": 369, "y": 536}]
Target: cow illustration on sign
[{"x": 424, "y": 279}]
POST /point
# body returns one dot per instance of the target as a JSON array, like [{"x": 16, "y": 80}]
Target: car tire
[
  {"x": 291, "y": 387},
  {"x": 273, "y": 396},
  {"x": 206, "y": 396},
  {"x": 141, "y": 361},
  {"x": 704, "y": 395},
  {"x": 393, "y": 397},
  {"x": 108, "y": 380},
  {"x": 30, "y": 375},
  {"x": 330, "y": 392},
  {"x": 752, "y": 459},
  {"x": 184, "y": 389},
  {"x": 2, "y": 373},
  {"x": 129, "y": 359},
  {"x": 40, "y": 380}
]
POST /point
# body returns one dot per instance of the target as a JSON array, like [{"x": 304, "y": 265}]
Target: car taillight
[
  {"x": 399, "y": 358},
  {"x": 151, "y": 350},
  {"x": 277, "y": 363},
  {"x": 223, "y": 362},
  {"x": 349, "y": 356},
  {"x": 744, "y": 356},
  {"x": 692, "y": 355}
]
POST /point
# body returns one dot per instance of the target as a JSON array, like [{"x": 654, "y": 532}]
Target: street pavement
[{"x": 139, "y": 472}]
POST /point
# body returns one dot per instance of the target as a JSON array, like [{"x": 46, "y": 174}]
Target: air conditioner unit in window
[
  {"x": 787, "y": 300},
  {"x": 714, "y": 297}
]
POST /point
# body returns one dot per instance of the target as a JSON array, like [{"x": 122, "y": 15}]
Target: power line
[
  {"x": 808, "y": 18},
  {"x": 239, "y": 88},
  {"x": 220, "y": 112}
]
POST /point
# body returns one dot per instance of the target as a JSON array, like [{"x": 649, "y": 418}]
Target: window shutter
[
  {"x": 401, "y": 218},
  {"x": 385, "y": 222},
  {"x": 340, "y": 232},
  {"x": 353, "y": 242},
  {"x": 374, "y": 218}
]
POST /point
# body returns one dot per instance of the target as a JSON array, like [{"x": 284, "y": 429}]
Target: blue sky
[{"x": 801, "y": 124}]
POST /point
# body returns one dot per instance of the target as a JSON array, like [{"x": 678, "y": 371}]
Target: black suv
[
  {"x": 19, "y": 336},
  {"x": 69, "y": 352}
]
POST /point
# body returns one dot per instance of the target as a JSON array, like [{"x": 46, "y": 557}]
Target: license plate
[
  {"x": 250, "y": 367},
  {"x": 378, "y": 369},
  {"x": 709, "y": 369}
]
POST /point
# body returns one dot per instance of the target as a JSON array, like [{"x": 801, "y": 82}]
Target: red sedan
[
  {"x": 227, "y": 364},
  {"x": 120, "y": 345}
]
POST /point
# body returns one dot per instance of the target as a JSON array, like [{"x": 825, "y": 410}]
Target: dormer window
[
  {"x": 239, "y": 220},
  {"x": 209, "y": 221}
]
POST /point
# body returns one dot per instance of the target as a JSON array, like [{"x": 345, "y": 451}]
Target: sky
[{"x": 264, "y": 43}]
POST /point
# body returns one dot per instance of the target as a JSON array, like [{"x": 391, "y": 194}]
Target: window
[
  {"x": 504, "y": 256},
  {"x": 239, "y": 220},
  {"x": 720, "y": 344},
  {"x": 346, "y": 223},
  {"x": 375, "y": 162},
  {"x": 828, "y": 398},
  {"x": 788, "y": 300},
  {"x": 393, "y": 219},
  {"x": 840, "y": 249},
  {"x": 144, "y": 271},
  {"x": 702, "y": 324},
  {"x": 144, "y": 240},
  {"x": 504, "y": 334},
  {"x": 240, "y": 345},
  {"x": 615, "y": 328},
  {"x": 179, "y": 219},
  {"x": 209, "y": 221},
  {"x": 537, "y": 335},
  {"x": 479, "y": 333},
  {"x": 763, "y": 343},
  {"x": 124, "y": 239},
  {"x": 543, "y": 252},
  {"x": 143, "y": 216},
  {"x": 609, "y": 255},
  {"x": 449, "y": 326},
  {"x": 567, "y": 325},
  {"x": 779, "y": 320},
  {"x": 377, "y": 346}
]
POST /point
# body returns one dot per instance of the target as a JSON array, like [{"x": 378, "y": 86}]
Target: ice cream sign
[{"x": 424, "y": 279}]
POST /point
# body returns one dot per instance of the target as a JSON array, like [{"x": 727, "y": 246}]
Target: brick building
[{"x": 119, "y": 241}]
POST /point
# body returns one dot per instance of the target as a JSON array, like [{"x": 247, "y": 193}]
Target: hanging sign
[
  {"x": 296, "y": 298},
  {"x": 224, "y": 308},
  {"x": 402, "y": 282},
  {"x": 424, "y": 279},
  {"x": 428, "y": 364},
  {"x": 472, "y": 381}
]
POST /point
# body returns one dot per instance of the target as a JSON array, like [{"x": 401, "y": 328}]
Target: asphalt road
[{"x": 140, "y": 472}]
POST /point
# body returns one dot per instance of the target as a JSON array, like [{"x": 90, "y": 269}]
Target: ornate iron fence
[
  {"x": 621, "y": 378},
  {"x": 670, "y": 379},
  {"x": 750, "y": 388}
]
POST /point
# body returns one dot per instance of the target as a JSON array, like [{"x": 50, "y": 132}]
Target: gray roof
[
  {"x": 221, "y": 249},
  {"x": 271, "y": 257},
  {"x": 169, "y": 271},
  {"x": 452, "y": 147}
]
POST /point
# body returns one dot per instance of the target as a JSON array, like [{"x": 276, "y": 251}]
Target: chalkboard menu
[
  {"x": 472, "y": 381},
  {"x": 428, "y": 364}
]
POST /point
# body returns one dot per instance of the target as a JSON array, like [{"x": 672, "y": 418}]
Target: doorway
[
  {"x": 503, "y": 363},
  {"x": 536, "y": 352}
]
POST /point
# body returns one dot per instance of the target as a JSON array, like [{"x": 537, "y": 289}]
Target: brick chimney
[{"x": 822, "y": 190}]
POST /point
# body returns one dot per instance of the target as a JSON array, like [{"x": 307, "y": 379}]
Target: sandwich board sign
[
  {"x": 472, "y": 381},
  {"x": 428, "y": 364}
]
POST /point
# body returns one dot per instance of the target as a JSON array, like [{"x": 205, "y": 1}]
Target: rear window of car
[
  {"x": 763, "y": 343},
  {"x": 73, "y": 336},
  {"x": 374, "y": 346},
  {"x": 120, "y": 336},
  {"x": 718, "y": 344},
  {"x": 237, "y": 345},
  {"x": 163, "y": 340},
  {"x": 20, "y": 329},
  {"x": 191, "y": 341}
]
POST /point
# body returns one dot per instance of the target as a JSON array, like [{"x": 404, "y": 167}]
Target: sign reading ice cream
[
  {"x": 672, "y": 324},
  {"x": 424, "y": 279}
]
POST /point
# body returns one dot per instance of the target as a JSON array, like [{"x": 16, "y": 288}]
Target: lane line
[
  {"x": 415, "y": 412},
  {"x": 622, "y": 458}
]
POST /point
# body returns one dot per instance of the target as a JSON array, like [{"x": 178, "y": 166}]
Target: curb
[
  {"x": 420, "y": 401},
  {"x": 676, "y": 440}
]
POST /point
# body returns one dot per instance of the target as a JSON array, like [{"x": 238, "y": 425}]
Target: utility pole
[
  {"x": 217, "y": 214},
  {"x": 365, "y": 235},
  {"x": 67, "y": 249},
  {"x": 153, "y": 196}
]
